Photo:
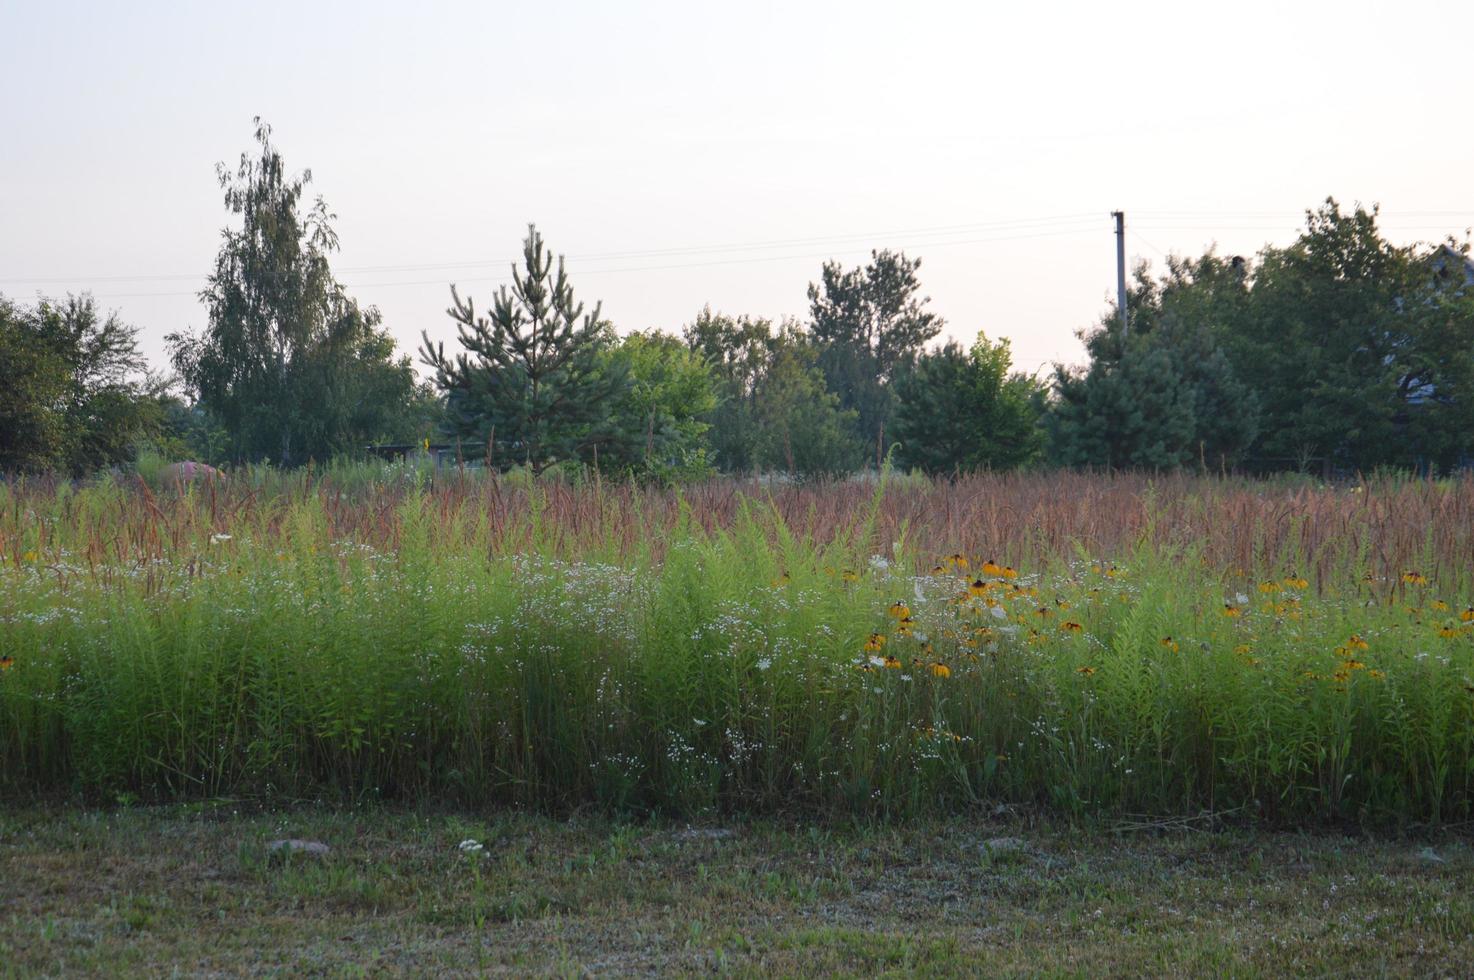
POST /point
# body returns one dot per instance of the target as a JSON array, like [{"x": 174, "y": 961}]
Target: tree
[
  {"x": 869, "y": 324},
  {"x": 774, "y": 410},
  {"x": 667, "y": 393},
  {"x": 289, "y": 365},
  {"x": 533, "y": 389},
  {"x": 961, "y": 410},
  {"x": 1167, "y": 394},
  {"x": 799, "y": 423},
  {"x": 738, "y": 351},
  {"x": 74, "y": 394},
  {"x": 1357, "y": 352}
]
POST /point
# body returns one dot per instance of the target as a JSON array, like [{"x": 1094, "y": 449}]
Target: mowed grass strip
[{"x": 150, "y": 891}]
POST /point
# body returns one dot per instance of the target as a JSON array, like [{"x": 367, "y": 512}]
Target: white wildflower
[
  {"x": 764, "y": 663},
  {"x": 472, "y": 846}
]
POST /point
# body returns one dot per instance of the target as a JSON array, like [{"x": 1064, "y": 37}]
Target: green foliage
[
  {"x": 503, "y": 658},
  {"x": 961, "y": 410},
  {"x": 1340, "y": 350},
  {"x": 868, "y": 325},
  {"x": 802, "y": 428},
  {"x": 73, "y": 393},
  {"x": 775, "y": 412},
  {"x": 1361, "y": 355},
  {"x": 288, "y": 365},
  {"x": 534, "y": 389},
  {"x": 669, "y": 390},
  {"x": 737, "y": 351},
  {"x": 1165, "y": 395}
]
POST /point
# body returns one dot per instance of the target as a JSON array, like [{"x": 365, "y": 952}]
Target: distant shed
[{"x": 440, "y": 454}]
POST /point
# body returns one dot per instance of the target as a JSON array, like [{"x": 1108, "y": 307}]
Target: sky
[{"x": 682, "y": 154}]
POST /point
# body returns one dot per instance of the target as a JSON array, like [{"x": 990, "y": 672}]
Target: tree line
[{"x": 1338, "y": 352}]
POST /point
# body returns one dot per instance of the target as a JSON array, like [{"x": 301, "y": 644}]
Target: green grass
[
  {"x": 557, "y": 648},
  {"x": 150, "y": 891}
]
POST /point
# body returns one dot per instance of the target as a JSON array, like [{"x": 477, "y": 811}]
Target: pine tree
[{"x": 530, "y": 387}]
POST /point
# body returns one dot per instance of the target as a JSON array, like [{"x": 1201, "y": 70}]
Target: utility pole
[{"x": 1120, "y": 217}]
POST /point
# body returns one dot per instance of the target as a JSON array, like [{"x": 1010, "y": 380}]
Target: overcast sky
[{"x": 682, "y": 153}]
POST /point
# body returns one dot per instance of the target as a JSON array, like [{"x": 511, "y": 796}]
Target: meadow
[{"x": 1126, "y": 646}]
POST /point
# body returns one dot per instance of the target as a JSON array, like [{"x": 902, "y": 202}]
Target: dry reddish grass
[{"x": 1382, "y": 527}]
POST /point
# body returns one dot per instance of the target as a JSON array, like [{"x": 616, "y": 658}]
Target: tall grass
[{"x": 1161, "y": 646}]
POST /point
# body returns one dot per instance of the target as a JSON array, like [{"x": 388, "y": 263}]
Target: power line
[
  {"x": 660, "y": 268},
  {"x": 1015, "y": 223}
]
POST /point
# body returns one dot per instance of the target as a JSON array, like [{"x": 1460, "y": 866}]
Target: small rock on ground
[
  {"x": 705, "y": 833},
  {"x": 295, "y": 846},
  {"x": 1005, "y": 845},
  {"x": 1431, "y": 856}
]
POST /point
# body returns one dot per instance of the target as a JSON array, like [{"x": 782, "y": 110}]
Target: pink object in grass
[{"x": 189, "y": 471}]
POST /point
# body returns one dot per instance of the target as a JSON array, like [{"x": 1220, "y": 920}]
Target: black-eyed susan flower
[
  {"x": 1231, "y": 610},
  {"x": 892, "y": 663},
  {"x": 1009, "y": 571},
  {"x": 1413, "y": 577},
  {"x": 1071, "y": 627},
  {"x": 990, "y": 567},
  {"x": 1170, "y": 644},
  {"x": 1438, "y": 605},
  {"x": 1449, "y": 632},
  {"x": 850, "y": 575},
  {"x": 898, "y": 610},
  {"x": 940, "y": 669},
  {"x": 1377, "y": 675},
  {"x": 1357, "y": 643},
  {"x": 875, "y": 642},
  {"x": 977, "y": 587},
  {"x": 7, "y": 662},
  {"x": 1467, "y": 616},
  {"x": 1087, "y": 671},
  {"x": 1296, "y": 582},
  {"x": 1269, "y": 587},
  {"x": 939, "y": 569},
  {"x": 957, "y": 560}
]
